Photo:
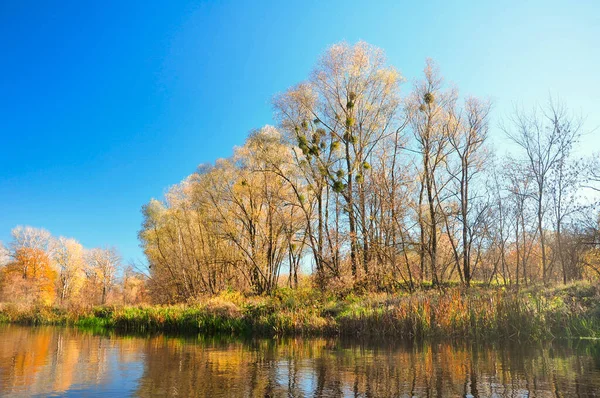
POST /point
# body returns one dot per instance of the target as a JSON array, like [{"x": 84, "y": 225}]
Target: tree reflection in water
[{"x": 66, "y": 361}]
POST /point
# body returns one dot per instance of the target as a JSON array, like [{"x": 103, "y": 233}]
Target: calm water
[{"x": 57, "y": 361}]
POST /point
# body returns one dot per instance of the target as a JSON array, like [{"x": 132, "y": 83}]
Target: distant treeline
[
  {"x": 39, "y": 269},
  {"x": 379, "y": 189}
]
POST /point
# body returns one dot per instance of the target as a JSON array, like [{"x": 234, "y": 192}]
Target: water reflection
[{"x": 45, "y": 361}]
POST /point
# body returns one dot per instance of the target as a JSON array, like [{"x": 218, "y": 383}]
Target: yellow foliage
[{"x": 32, "y": 275}]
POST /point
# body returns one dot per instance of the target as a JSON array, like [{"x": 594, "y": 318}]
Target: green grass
[{"x": 535, "y": 314}]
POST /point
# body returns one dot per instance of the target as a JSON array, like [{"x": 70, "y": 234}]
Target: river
[{"x": 53, "y": 361}]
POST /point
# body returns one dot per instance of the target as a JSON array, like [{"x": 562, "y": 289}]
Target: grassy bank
[{"x": 571, "y": 311}]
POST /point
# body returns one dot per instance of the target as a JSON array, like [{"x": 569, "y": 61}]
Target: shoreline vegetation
[{"x": 531, "y": 314}]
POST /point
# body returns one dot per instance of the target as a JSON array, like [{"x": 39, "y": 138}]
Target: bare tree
[
  {"x": 500, "y": 225},
  {"x": 428, "y": 107},
  {"x": 467, "y": 132},
  {"x": 593, "y": 173},
  {"x": 546, "y": 135},
  {"x": 30, "y": 238}
]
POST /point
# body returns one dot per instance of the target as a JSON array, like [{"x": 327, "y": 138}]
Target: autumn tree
[
  {"x": 4, "y": 255},
  {"x": 590, "y": 255},
  {"x": 233, "y": 224},
  {"x": 352, "y": 99},
  {"x": 429, "y": 108},
  {"x": 313, "y": 153},
  {"x": 376, "y": 189},
  {"x": 389, "y": 179},
  {"x": 251, "y": 203},
  {"x": 133, "y": 286},
  {"x": 68, "y": 255},
  {"x": 101, "y": 270},
  {"x": 186, "y": 252},
  {"x": 39, "y": 268},
  {"x": 30, "y": 274}
]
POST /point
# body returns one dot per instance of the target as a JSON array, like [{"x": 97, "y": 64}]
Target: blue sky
[{"x": 103, "y": 105}]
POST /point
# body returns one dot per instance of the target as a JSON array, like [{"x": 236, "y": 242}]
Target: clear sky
[{"x": 105, "y": 104}]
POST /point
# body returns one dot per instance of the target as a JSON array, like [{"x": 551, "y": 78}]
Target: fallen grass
[{"x": 571, "y": 311}]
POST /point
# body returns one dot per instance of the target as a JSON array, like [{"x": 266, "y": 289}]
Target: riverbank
[{"x": 571, "y": 311}]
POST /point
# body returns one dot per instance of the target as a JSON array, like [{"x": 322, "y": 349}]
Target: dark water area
[{"x": 48, "y": 361}]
